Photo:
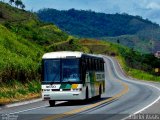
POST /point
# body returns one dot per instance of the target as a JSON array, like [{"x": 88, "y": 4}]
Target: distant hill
[{"x": 111, "y": 27}]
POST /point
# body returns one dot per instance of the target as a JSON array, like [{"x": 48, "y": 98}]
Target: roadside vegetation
[
  {"x": 137, "y": 73},
  {"x": 15, "y": 90},
  {"x": 20, "y": 64}
]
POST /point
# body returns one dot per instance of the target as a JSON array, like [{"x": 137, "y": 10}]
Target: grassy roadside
[
  {"x": 15, "y": 91},
  {"x": 138, "y": 74}
]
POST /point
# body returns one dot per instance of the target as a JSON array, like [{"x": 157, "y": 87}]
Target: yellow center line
[{"x": 75, "y": 111}]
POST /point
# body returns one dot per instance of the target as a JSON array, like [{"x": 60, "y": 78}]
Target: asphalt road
[{"x": 123, "y": 97}]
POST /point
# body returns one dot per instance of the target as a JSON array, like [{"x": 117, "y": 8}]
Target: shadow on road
[{"x": 81, "y": 102}]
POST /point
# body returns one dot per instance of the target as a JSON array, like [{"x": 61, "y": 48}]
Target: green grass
[
  {"x": 15, "y": 91},
  {"x": 28, "y": 26},
  {"x": 38, "y": 32},
  {"x": 71, "y": 44},
  {"x": 135, "y": 73},
  {"x": 141, "y": 75},
  {"x": 12, "y": 14},
  {"x": 19, "y": 58}
]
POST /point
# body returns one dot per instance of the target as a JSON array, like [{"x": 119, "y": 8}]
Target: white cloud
[{"x": 153, "y": 5}]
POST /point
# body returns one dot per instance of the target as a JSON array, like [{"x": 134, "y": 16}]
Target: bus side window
[
  {"x": 90, "y": 64},
  {"x": 83, "y": 70},
  {"x": 84, "y": 64},
  {"x": 93, "y": 65},
  {"x": 99, "y": 67},
  {"x": 103, "y": 66},
  {"x": 87, "y": 64},
  {"x": 96, "y": 64}
]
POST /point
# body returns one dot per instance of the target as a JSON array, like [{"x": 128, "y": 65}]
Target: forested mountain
[{"x": 107, "y": 26}]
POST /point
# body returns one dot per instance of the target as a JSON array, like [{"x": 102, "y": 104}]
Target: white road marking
[
  {"x": 34, "y": 108},
  {"x": 28, "y": 109},
  {"x": 138, "y": 83},
  {"x": 23, "y": 103}
]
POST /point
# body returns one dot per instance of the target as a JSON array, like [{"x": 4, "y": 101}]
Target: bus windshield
[
  {"x": 52, "y": 70},
  {"x": 62, "y": 70},
  {"x": 70, "y": 70}
]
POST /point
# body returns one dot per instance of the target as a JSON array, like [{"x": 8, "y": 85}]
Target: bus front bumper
[{"x": 67, "y": 95}]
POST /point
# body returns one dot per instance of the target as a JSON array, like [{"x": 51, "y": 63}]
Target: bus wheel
[
  {"x": 100, "y": 92},
  {"x": 52, "y": 103},
  {"x": 87, "y": 95}
]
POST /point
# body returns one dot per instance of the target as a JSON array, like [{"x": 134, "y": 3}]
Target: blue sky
[{"x": 146, "y": 8}]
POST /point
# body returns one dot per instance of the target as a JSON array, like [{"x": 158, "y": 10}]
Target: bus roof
[{"x": 66, "y": 54}]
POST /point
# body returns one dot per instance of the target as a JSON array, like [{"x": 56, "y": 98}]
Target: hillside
[
  {"x": 18, "y": 56},
  {"x": 24, "y": 37},
  {"x": 27, "y": 25},
  {"x": 23, "y": 41},
  {"x": 99, "y": 25}
]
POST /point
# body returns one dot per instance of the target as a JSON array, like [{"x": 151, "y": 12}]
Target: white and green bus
[{"x": 72, "y": 76}]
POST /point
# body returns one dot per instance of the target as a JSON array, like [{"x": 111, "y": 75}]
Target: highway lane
[
  {"x": 154, "y": 108},
  {"x": 132, "y": 96},
  {"x": 152, "y": 86},
  {"x": 139, "y": 96}
]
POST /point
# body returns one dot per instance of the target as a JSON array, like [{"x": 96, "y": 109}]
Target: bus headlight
[
  {"x": 43, "y": 90},
  {"x": 78, "y": 89}
]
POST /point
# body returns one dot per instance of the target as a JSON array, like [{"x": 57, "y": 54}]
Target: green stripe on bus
[{"x": 65, "y": 86}]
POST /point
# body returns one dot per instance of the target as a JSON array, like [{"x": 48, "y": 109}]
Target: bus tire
[
  {"x": 87, "y": 94},
  {"x": 100, "y": 92},
  {"x": 52, "y": 103}
]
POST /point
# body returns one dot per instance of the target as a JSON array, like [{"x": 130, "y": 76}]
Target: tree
[
  {"x": 1, "y": 14},
  {"x": 22, "y": 6},
  {"x": 118, "y": 41},
  {"x": 18, "y": 3},
  {"x": 11, "y": 1}
]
